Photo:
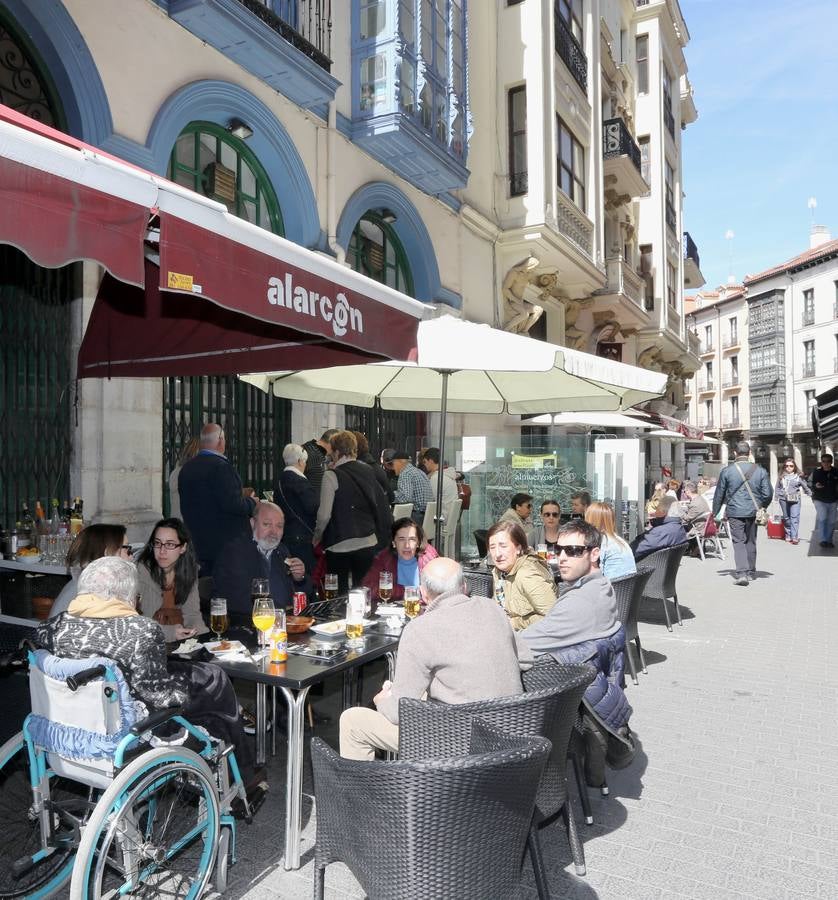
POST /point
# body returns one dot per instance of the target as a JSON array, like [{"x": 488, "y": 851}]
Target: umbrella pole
[{"x": 443, "y": 408}]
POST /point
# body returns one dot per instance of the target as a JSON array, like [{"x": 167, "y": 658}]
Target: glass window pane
[
  {"x": 407, "y": 90},
  {"x": 187, "y": 179},
  {"x": 229, "y": 157},
  {"x": 578, "y": 159},
  {"x": 407, "y": 21},
  {"x": 566, "y": 183},
  {"x": 425, "y": 108},
  {"x": 373, "y": 83},
  {"x": 185, "y": 150},
  {"x": 427, "y": 40},
  {"x": 206, "y": 151},
  {"x": 441, "y": 116},
  {"x": 565, "y": 146},
  {"x": 248, "y": 210},
  {"x": 248, "y": 180}
]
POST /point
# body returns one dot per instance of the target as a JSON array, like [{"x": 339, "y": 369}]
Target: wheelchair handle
[{"x": 74, "y": 682}]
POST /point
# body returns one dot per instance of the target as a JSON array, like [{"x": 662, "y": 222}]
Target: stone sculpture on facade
[{"x": 520, "y": 314}]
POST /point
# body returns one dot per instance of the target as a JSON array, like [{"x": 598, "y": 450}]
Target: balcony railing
[
  {"x": 802, "y": 422},
  {"x": 808, "y": 318},
  {"x": 707, "y": 424},
  {"x": 707, "y": 347},
  {"x": 706, "y": 387},
  {"x": 622, "y": 279},
  {"x": 693, "y": 343},
  {"x": 617, "y": 141},
  {"x": 731, "y": 381},
  {"x": 573, "y": 223},
  {"x": 669, "y": 119},
  {"x": 671, "y": 217},
  {"x": 808, "y": 370},
  {"x": 305, "y": 24},
  {"x": 690, "y": 249},
  {"x": 731, "y": 422},
  {"x": 730, "y": 341},
  {"x": 571, "y": 53}
]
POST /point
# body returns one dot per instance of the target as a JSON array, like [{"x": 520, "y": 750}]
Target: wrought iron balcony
[
  {"x": 808, "y": 318},
  {"x": 621, "y": 168},
  {"x": 571, "y": 53},
  {"x": 690, "y": 250},
  {"x": 730, "y": 423},
  {"x": 808, "y": 370},
  {"x": 730, "y": 342},
  {"x": 732, "y": 381},
  {"x": 707, "y": 347},
  {"x": 693, "y": 279},
  {"x": 305, "y": 24},
  {"x": 706, "y": 387},
  {"x": 617, "y": 141}
]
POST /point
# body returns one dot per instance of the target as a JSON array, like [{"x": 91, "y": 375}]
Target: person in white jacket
[{"x": 431, "y": 464}]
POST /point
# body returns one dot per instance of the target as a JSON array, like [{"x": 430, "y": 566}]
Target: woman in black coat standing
[{"x": 298, "y": 499}]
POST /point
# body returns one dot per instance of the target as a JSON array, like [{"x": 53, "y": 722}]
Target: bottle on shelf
[
  {"x": 64, "y": 523},
  {"x": 25, "y": 527},
  {"x": 55, "y": 520},
  {"x": 40, "y": 518},
  {"x": 76, "y": 516}
]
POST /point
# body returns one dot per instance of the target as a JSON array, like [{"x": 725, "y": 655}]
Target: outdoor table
[{"x": 294, "y": 678}]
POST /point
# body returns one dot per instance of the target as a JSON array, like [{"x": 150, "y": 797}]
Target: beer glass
[
  {"x": 542, "y": 551},
  {"x": 330, "y": 585},
  {"x": 412, "y": 605},
  {"x": 385, "y": 587},
  {"x": 355, "y": 619},
  {"x": 219, "y": 622}
]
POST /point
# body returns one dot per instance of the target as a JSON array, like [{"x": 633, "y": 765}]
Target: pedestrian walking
[
  {"x": 825, "y": 494},
  {"x": 790, "y": 485},
  {"x": 745, "y": 489}
]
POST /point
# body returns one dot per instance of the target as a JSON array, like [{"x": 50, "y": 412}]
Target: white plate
[
  {"x": 234, "y": 647},
  {"x": 337, "y": 627},
  {"x": 29, "y": 558},
  {"x": 389, "y": 609}
]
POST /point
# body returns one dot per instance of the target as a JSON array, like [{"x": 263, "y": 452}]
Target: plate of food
[
  {"x": 338, "y": 627},
  {"x": 29, "y": 555},
  {"x": 298, "y": 624},
  {"x": 220, "y": 648}
]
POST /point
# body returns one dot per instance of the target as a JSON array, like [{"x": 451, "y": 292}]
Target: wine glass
[
  {"x": 219, "y": 622},
  {"x": 264, "y": 616},
  {"x": 412, "y": 604}
]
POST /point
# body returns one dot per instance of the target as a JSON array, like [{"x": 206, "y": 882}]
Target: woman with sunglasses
[
  {"x": 548, "y": 531},
  {"x": 167, "y": 575},
  {"x": 790, "y": 482},
  {"x": 524, "y": 584}
]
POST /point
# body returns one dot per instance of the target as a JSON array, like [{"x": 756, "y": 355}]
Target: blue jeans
[
  {"x": 791, "y": 517},
  {"x": 825, "y": 524}
]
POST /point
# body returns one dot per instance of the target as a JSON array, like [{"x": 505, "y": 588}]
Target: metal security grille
[
  {"x": 387, "y": 428},
  {"x": 36, "y": 383},
  {"x": 257, "y": 425}
]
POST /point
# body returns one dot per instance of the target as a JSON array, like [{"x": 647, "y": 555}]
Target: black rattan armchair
[
  {"x": 629, "y": 591},
  {"x": 441, "y": 829},
  {"x": 438, "y": 729},
  {"x": 663, "y": 564}
]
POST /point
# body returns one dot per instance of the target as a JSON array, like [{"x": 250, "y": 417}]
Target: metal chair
[
  {"x": 629, "y": 591},
  {"x": 402, "y": 511},
  {"x": 435, "y": 730},
  {"x": 453, "y": 827},
  {"x": 704, "y": 532},
  {"x": 663, "y": 566}
]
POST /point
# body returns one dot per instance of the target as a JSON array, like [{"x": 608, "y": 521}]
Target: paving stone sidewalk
[{"x": 735, "y": 791}]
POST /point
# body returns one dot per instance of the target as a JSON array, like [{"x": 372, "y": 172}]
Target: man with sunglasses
[{"x": 582, "y": 627}]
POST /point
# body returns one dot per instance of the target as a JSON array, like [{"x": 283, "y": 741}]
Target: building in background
[{"x": 481, "y": 157}]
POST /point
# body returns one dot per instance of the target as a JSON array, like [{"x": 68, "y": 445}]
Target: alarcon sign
[{"x": 338, "y": 313}]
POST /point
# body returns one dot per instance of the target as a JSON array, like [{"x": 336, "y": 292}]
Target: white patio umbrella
[{"x": 466, "y": 367}]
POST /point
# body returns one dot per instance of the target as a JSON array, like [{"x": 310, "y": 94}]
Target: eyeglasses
[
  {"x": 546, "y": 515},
  {"x": 165, "y": 545},
  {"x": 571, "y": 550},
  {"x": 126, "y": 548},
  {"x": 789, "y": 466}
]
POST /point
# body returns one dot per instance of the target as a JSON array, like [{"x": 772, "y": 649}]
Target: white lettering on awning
[{"x": 342, "y": 315}]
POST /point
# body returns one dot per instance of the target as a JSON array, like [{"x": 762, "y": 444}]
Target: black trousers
[{"x": 357, "y": 562}]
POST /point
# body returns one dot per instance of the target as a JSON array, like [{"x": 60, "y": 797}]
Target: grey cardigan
[
  {"x": 462, "y": 649},
  {"x": 151, "y": 599}
]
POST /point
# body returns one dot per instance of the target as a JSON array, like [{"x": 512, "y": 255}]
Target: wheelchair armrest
[{"x": 156, "y": 718}]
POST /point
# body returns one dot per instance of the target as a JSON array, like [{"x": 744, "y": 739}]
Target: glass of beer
[
  {"x": 219, "y": 622},
  {"x": 412, "y": 604},
  {"x": 264, "y": 616},
  {"x": 330, "y": 586},
  {"x": 541, "y": 550},
  {"x": 385, "y": 587},
  {"x": 355, "y": 619}
]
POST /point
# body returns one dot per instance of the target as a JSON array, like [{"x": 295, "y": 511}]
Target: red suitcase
[{"x": 776, "y": 529}]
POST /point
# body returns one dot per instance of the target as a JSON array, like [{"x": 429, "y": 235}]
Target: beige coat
[{"x": 528, "y": 589}]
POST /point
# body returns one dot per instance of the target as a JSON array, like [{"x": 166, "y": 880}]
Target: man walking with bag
[{"x": 746, "y": 490}]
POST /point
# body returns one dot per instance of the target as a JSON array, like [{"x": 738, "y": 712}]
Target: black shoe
[
  {"x": 826, "y": 544},
  {"x": 255, "y": 798},
  {"x": 249, "y": 720},
  {"x": 830, "y": 544}
]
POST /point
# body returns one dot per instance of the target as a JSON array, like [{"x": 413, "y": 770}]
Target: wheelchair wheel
[
  {"x": 222, "y": 861},
  {"x": 20, "y": 835},
  {"x": 154, "y": 832}
]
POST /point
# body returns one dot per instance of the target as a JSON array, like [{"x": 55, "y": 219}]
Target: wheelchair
[{"x": 91, "y": 793}]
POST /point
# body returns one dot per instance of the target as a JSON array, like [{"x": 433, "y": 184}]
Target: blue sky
[{"x": 766, "y": 138}]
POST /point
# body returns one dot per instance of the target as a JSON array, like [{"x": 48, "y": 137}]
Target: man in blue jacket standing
[
  {"x": 746, "y": 488},
  {"x": 212, "y": 500}
]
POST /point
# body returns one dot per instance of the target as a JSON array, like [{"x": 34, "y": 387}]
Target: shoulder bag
[{"x": 761, "y": 514}]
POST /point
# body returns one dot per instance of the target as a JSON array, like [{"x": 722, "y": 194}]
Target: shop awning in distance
[{"x": 226, "y": 296}]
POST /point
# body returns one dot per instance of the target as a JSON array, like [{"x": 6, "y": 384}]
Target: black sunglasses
[
  {"x": 552, "y": 515},
  {"x": 571, "y": 550}
]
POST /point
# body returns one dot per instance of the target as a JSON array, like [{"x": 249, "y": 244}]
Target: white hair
[
  {"x": 452, "y": 583},
  {"x": 294, "y": 453},
  {"x": 110, "y": 576}
]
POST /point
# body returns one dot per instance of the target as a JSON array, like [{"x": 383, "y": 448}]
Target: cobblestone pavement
[{"x": 734, "y": 793}]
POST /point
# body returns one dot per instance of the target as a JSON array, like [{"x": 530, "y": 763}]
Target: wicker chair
[
  {"x": 629, "y": 591},
  {"x": 439, "y": 829},
  {"x": 479, "y": 584},
  {"x": 663, "y": 566},
  {"x": 432, "y": 730}
]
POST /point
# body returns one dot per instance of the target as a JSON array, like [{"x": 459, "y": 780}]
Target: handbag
[{"x": 761, "y": 513}]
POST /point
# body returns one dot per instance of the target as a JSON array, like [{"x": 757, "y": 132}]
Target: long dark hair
[
  {"x": 186, "y": 567},
  {"x": 95, "y": 541}
]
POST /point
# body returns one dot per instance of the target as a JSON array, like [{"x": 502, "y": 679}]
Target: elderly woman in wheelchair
[{"x": 92, "y": 789}]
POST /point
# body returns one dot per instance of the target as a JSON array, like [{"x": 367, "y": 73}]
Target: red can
[{"x": 300, "y": 602}]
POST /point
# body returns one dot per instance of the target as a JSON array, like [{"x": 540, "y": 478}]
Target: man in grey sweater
[
  {"x": 586, "y": 609},
  {"x": 462, "y": 649}
]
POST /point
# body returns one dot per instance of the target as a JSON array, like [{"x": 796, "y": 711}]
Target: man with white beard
[{"x": 262, "y": 555}]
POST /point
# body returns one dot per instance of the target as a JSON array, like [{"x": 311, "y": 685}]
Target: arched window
[
  {"x": 210, "y": 160},
  {"x": 376, "y": 251}
]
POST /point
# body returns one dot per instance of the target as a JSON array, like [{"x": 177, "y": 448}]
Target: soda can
[{"x": 300, "y": 602}]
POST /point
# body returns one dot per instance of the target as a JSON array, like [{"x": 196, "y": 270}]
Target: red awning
[
  {"x": 228, "y": 298},
  {"x": 61, "y": 201}
]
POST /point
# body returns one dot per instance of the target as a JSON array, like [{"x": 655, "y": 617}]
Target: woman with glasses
[
  {"x": 548, "y": 531},
  {"x": 92, "y": 542},
  {"x": 615, "y": 556},
  {"x": 167, "y": 576},
  {"x": 524, "y": 584},
  {"x": 790, "y": 484}
]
